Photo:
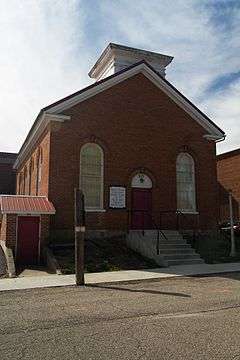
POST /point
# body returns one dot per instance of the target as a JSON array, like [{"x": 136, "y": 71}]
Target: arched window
[
  {"x": 20, "y": 180},
  {"x": 25, "y": 173},
  {"x": 31, "y": 167},
  {"x": 39, "y": 170},
  {"x": 141, "y": 180},
  {"x": 186, "y": 197},
  {"x": 91, "y": 175}
]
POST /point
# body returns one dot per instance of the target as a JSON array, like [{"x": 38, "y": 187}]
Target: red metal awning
[{"x": 24, "y": 204}]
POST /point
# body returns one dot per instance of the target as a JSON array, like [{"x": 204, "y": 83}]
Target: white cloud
[
  {"x": 48, "y": 46},
  {"x": 224, "y": 107},
  {"x": 202, "y": 51},
  {"x": 39, "y": 61}
]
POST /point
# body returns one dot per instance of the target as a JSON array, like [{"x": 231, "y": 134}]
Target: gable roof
[{"x": 55, "y": 109}]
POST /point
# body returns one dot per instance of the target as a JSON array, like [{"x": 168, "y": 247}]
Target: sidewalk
[{"x": 118, "y": 276}]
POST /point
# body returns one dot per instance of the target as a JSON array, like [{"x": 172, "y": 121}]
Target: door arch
[{"x": 141, "y": 209}]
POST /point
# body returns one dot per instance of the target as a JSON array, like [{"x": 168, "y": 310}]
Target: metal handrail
[
  {"x": 178, "y": 214},
  {"x": 194, "y": 229},
  {"x": 154, "y": 224}
]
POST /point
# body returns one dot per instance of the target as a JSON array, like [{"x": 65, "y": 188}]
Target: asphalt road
[{"x": 187, "y": 318}]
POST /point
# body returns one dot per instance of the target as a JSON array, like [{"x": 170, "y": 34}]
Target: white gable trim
[
  {"x": 156, "y": 80},
  {"x": 54, "y": 112},
  {"x": 41, "y": 125},
  {"x": 184, "y": 104}
]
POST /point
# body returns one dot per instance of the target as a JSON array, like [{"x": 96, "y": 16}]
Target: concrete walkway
[{"x": 118, "y": 276}]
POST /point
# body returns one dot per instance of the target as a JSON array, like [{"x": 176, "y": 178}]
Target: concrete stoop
[
  {"x": 173, "y": 248},
  {"x": 176, "y": 251}
]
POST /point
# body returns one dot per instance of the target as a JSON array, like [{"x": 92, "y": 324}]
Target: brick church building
[{"x": 136, "y": 146}]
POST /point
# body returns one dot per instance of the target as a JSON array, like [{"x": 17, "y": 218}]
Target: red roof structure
[{"x": 24, "y": 204}]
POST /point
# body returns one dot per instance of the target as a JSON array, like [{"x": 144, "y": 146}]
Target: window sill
[{"x": 95, "y": 210}]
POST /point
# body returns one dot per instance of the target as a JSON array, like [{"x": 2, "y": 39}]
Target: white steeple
[{"x": 118, "y": 57}]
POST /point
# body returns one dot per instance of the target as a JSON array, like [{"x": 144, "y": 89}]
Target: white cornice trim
[
  {"x": 41, "y": 125},
  {"x": 184, "y": 104},
  {"x": 53, "y": 113},
  {"x": 102, "y": 86},
  {"x": 154, "y": 78}
]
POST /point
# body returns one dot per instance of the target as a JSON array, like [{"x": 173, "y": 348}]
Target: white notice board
[{"x": 117, "y": 197}]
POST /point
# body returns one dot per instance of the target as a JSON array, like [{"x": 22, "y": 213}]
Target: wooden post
[{"x": 79, "y": 235}]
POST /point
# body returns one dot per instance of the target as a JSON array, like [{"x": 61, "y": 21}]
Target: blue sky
[{"x": 48, "y": 47}]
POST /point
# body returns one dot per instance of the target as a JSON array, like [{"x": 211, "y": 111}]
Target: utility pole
[
  {"x": 79, "y": 235},
  {"x": 233, "y": 247}
]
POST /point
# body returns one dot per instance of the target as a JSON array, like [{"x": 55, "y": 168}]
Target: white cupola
[{"x": 118, "y": 57}]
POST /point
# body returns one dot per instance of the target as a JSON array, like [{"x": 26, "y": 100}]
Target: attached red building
[
  {"x": 24, "y": 228},
  {"x": 228, "y": 171}
]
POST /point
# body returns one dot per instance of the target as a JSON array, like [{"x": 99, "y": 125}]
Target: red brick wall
[
  {"x": 8, "y": 230},
  {"x": 138, "y": 127},
  {"x": 228, "y": 172},
  {"x": 11, "y": 231},
  {"x": 3, "y": 228},
  {"x": 44, "y": 229},
  {"x": 44, "y": 145}
]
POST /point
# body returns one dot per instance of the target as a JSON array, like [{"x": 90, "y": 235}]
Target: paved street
[{"x": 183, "y": 318}]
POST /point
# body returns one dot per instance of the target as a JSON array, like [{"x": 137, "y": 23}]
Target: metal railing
[
  {"x": 143, "y": 227},
  {"x": 176, "y": 222}
]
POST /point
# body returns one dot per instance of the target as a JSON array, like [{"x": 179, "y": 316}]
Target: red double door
[
  {"x": 141, "y": 208},
  {"x": 28, "y": 239}
]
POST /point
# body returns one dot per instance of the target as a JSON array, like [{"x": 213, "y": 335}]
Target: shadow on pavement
[{"x": 154, "y": 292}]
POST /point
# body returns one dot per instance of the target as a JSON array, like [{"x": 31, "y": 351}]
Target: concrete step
[
  {"x": 170, "y": 232},
  {"x": 185, "y": 262},
  {"x": 175, "y": 247},
  {"x": 181, "y": 256},
  {"x": 172, "y": 242},
  {"x": 173, "y": 238},
  {"x": 177, "y": 251}
]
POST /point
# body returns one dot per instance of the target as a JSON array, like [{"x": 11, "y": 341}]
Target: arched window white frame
[
  {"x": 141, "y": 180},
  {"x": 186, "y": 192},
  {"x": 91, "y": 175}
]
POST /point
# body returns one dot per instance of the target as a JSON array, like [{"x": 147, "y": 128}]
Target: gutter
[{"x": 215, "y": 138}]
